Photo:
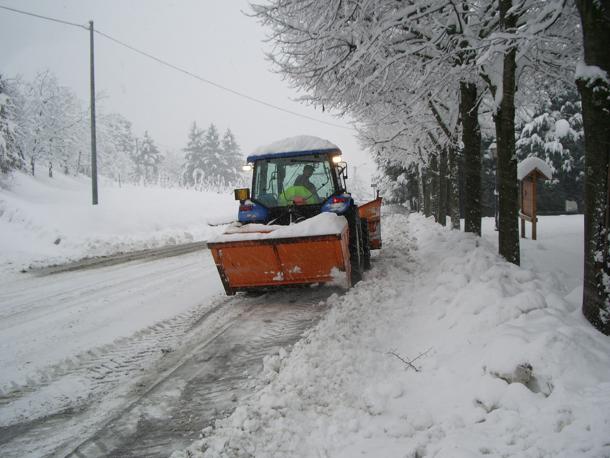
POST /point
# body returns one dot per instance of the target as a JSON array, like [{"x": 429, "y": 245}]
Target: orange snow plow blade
[
  {"x": 266, "y": 263},
  {"x": 371, "y": 211}
]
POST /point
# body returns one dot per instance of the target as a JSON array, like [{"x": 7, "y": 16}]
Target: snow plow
[{"x": 299, "y": 225}]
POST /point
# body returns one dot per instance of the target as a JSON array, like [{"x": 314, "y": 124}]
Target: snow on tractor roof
[
  {"x": 527, "y": 165},
  {"x": 294, "y": 146}
]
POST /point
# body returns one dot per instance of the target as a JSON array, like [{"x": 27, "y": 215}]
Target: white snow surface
[
  {"x": 51, "y": 220},
  {"x": 562, "y": 128},
  {"x": 532, "y": 163},
  {"x": 443, "y": 350},
  {"x": 322, "y": 224},
  {"x": 294, "y": 144}
]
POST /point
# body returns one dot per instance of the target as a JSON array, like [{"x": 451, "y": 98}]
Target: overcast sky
[{"x": 211, "y": 38}]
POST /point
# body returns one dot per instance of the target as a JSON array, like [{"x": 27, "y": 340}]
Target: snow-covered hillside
[
  {"x": 444, "y": 350},
  {"x": 51, "y": 220}
]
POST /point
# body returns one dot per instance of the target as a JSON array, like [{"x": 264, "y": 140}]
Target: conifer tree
[
  {"x": 231, "y": 157},
  {"x": 147, "y": 159},
  {"x": 555, "y": 134},
  {"x": 212, "y": 163},
  {"x": 194, "y": 163}
]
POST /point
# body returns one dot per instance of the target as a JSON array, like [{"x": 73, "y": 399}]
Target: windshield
[{"x": 280, "y": 182}]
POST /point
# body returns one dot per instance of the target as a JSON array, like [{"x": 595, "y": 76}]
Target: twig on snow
[{"x": 409, "y": 363}]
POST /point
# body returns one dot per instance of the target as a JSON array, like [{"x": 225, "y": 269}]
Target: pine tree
[
  {"x": 231, "y": 157},
  {"x": 212, "y": 163},
  {"x": 194, "y": 163},
  {"x": 147, "y": 159},
  {"x": 555, "y": 135}
]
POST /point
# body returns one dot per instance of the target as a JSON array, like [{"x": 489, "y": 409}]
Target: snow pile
[
  {"x": 444, "y": 350},
  {"x": 532, "y": 163},
  {"x": 322, "y": 224},
  {"x": 295, "y": 144},
  {"x": 591, "y": 73},
  {"x": 51, "y": 220}
]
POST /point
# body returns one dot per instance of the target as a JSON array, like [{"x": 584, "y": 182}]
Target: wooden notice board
[{"x": 528, "y": 196}]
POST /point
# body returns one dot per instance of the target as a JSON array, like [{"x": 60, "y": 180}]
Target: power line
[
  {"x": 47, "y": 18},
  {"x": 218, "y": 86},
  {"x": 179, "y": 69}
]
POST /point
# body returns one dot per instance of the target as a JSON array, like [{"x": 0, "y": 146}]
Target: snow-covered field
[
  {"x": 444, "y": 350},
  {"x": 51, "y": 220}
]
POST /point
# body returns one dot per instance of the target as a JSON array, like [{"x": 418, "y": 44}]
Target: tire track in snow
[
  {"x": 113, "y": 374},
  {"x": 208, "y": 383}
]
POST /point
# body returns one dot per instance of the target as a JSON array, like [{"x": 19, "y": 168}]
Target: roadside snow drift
[
  {"x": 51, "y": 220},
  {"x": 444, "y": 350}
]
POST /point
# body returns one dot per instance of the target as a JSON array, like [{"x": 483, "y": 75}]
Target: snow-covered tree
[
  {"x": 554, "y": 133},
  {"x": 116, "y": 145},
  {"x": 147, "y": 158},
  {"x": 212, "y": 161},
  {"x": 593, "y": 79},
  {"x": 385, "y": 62},
  {"x": 171, "y": 168},
  {"x": 194, "y": 156},
  {"x": 10, "y": 156},
  {"x": 51, "y": 122},
  {"x": 232, "y": 160}
]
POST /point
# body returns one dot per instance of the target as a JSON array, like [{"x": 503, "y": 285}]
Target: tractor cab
[{"x": 293, "y": 185}]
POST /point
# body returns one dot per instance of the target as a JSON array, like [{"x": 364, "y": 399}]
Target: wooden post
[{"x": 534, "y": 218}]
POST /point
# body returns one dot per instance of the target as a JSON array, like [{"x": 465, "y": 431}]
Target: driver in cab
[{"x": 303, "y": 180}]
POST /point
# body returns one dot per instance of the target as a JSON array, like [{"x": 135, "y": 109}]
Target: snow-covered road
[
  {"x": 43, "y": 320},
  {"x": 92, "y": 359}
]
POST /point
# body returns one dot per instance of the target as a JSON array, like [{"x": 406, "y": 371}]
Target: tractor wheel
[
  {"x": 366, "y": 245},
  {"x": 355, "y": 244}
]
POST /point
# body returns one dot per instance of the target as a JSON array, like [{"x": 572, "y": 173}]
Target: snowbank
[
  {"x": 51, "y": 220},
  {"x": 532, "y": 163},
  {"x": 322, "y": 224},
  {"x": 444, "y": 350},
  {"x": 294, "y": 144}
]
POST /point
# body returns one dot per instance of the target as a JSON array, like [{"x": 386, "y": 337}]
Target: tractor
[{"x": 298, "y": 224}]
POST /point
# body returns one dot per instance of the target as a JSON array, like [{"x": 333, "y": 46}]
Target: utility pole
[{"x": 93, "y": 139}]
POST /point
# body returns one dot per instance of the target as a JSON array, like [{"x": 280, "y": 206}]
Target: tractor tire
[
  {"x": 355, "y": 244},
  {"x": 366, "y": 245}
]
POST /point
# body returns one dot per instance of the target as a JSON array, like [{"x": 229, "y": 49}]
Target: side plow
[
  {"x": 260, "y": 256},
  {"x": 248, "y": 265}
]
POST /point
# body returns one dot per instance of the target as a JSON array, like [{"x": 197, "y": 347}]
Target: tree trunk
[
  {"x": 33, "y": 165},
  {"x": 426, "y": 187},
  {"x": 471, "y": 137},
  {"x": 435, "y": 188},
  {"x": 453, "y": 189},
  {"x": 508, "y": 188},
  {"x": 420, "y": 190},
  {"x": 595, "y": 94},
  {"x": 443, "y": 182}
]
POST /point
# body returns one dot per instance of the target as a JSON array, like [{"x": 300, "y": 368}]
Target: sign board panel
[{"x": 527, "y": 197}]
